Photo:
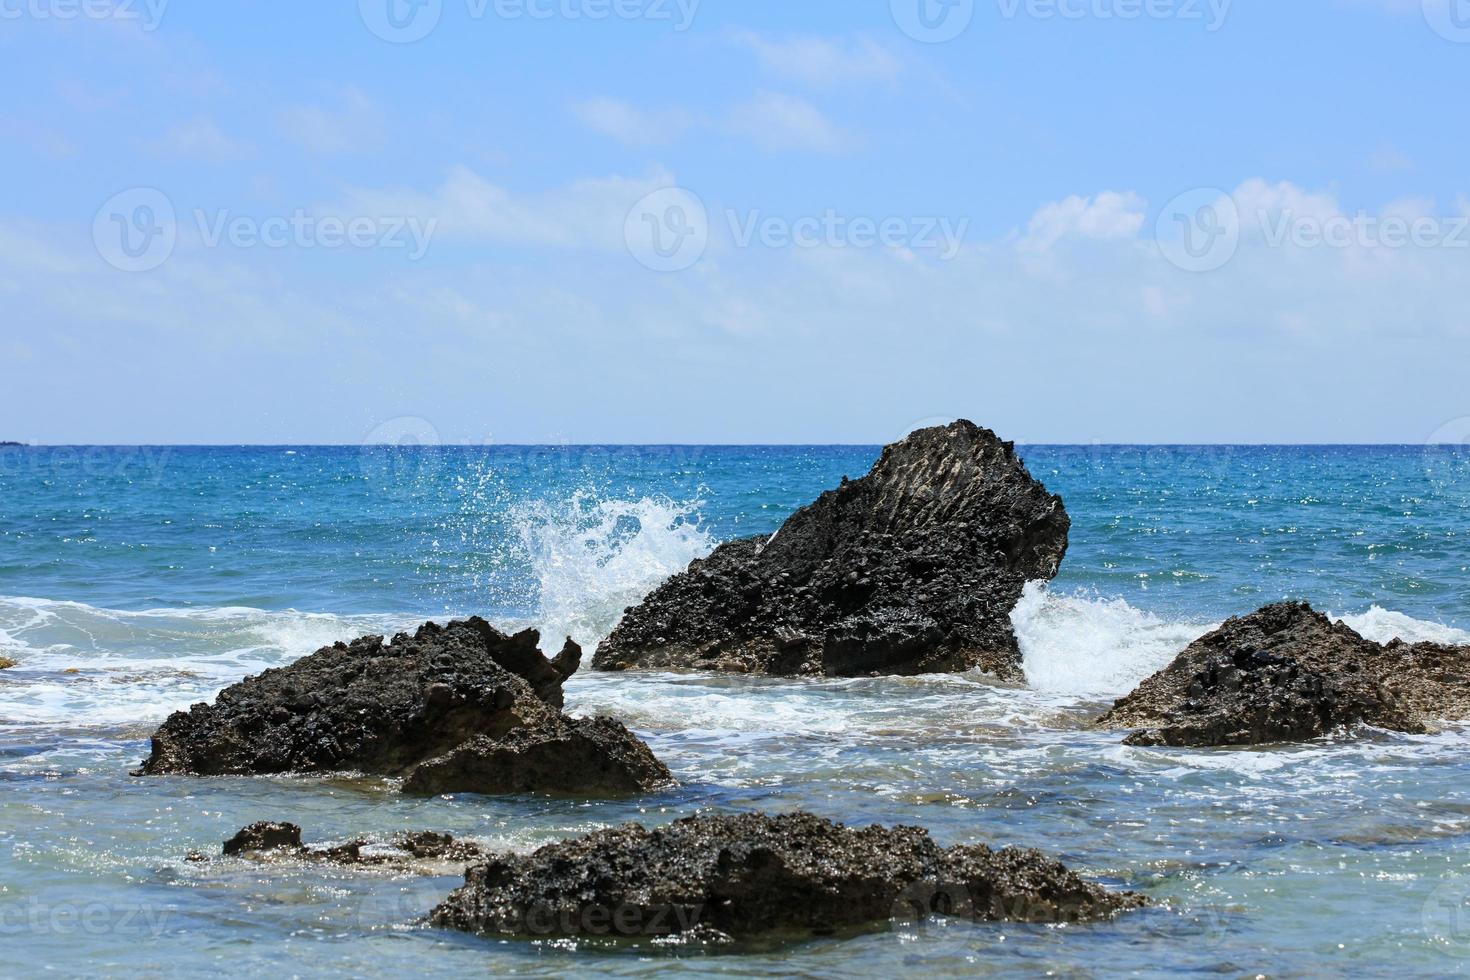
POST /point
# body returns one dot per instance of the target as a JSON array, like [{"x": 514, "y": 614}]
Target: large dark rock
[
  {"x": 591, "y": 755},
  {"x": 1287, "y": 673},
  {"x": 387, "y": 708},
  {"x": 720, "y": 877},
  {"x": 912, "y": 569}
]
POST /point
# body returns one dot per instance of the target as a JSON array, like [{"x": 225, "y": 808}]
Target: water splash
[
  {"x": 1382, "y": 625},
  {"x": 593, "y": 557},
  {"x": 1084, "y": 645}
]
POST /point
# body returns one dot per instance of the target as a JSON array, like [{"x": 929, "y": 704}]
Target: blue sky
[{"x": 332, "y": 236}]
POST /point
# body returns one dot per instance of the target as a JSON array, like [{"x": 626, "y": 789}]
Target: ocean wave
[
  {"x": 84, "y": 665},
  {"x": 1086, "y": 645},
  {"x": 80, "y": 665},
  {"x": 1093, "y": 647}
]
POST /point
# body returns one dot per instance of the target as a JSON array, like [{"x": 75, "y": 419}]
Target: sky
[{"x": 711, "y": 221}]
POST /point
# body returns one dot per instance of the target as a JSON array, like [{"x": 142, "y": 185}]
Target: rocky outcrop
[
  {"x": 724, "y": 877},
  {"x": 388, "y": 708},
  {"x": 6, "y": 663},
  {"x": 595, "y": 756},
  {"x": 1287, "y": 673},
  {"x": 421, "y": 851},
  {"x": 912, "y": 569}
]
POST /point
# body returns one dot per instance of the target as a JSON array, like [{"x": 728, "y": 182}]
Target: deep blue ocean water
[{"x": 134, "y": 581}]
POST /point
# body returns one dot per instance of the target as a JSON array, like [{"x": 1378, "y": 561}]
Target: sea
[{"x": 137, "y": 581}]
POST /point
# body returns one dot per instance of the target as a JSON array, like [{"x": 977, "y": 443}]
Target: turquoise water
[{"x": 136, "y": 581}]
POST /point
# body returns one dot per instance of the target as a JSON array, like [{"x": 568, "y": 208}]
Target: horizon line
[{"x": 700, "y": 445}]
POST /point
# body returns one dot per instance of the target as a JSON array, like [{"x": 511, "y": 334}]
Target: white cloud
[
  {"x": 1388, "y": 159},
  {"x": 1409, "y": 208},
  {"x": 200, "y": 138},
  {"x": 628, "y": 124},
  {"x": 85, "y": 97},
  {"x": 785, "y": 122},
  {"x": 823, "y": 61},
  {"x": 1109, "y": 215},
  {"x": 585, "y": 213},
  {"x": 984, "y": 331},
  {"x": 1257, "y": 198},
  {"x": 353, "y": 125},
  {"x": 44, "y": 139}
]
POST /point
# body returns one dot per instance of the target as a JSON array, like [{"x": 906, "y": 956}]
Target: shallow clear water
[{"x": 134, "y": 582}]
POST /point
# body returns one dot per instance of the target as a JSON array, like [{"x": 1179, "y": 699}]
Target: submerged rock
[
  {"x": 385, "y": 709},
  {"x": 719, "y": 877},
  {"x": 912, "y": 569},
  {"x": 6, "y": 663},
  {"x": 264, "y": 837},
  {"x": 424, "y": 850},
  {"x": 1287, "y": 673}
]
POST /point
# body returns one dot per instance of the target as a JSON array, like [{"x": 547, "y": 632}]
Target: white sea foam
[
  {"x": 593, "y": 557},
  {"x": 1089, "y": 646},
  {"x": 1382, "y": 625},
  {"x": 84, "y": 665}
]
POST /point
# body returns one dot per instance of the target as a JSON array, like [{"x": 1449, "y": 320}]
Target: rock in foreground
[
  {"x": 912, "y": 569},
  {"x": 718, "y": 878},
  {"x": 1287, "y": 673},
  {"x": 386, "y": 709}
]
